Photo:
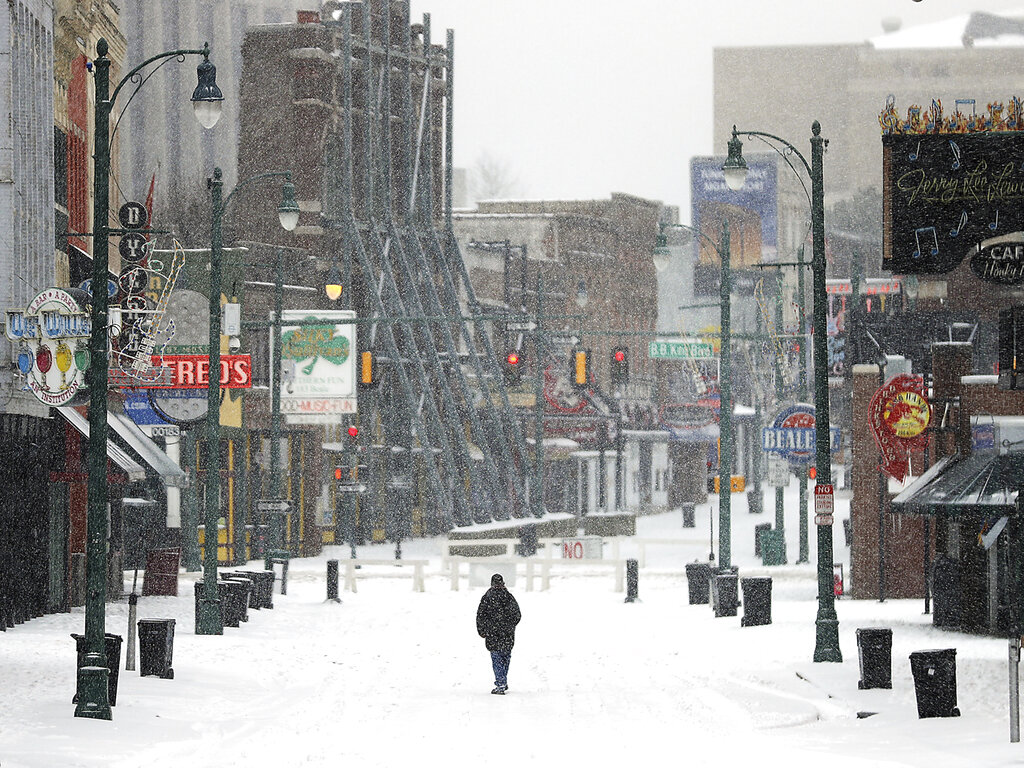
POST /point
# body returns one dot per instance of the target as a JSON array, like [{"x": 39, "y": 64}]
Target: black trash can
[
  {"x": 698, "y": 581},
  {"x": 156, "y": 647},
  {"x": 263, "y": 588},
  {"x": 254, "y": 596},
  {"x": 112, "y": 646},
  {"x": 725, "y": 598},
  {"x": 689, "y": 515},
  {"x": 874, "y": 650},
  {"x": 760, "y": 529},
  {"x": 946, "y": 592},
  {"x": 234, "y": 595},
  {"x": 935, "y": 682},
  {"x": 757, "y": 602},
  {"x": 528, "y": 540}
]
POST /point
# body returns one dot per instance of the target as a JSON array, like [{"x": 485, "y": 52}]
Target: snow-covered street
[{"x": 392, "y": 677}]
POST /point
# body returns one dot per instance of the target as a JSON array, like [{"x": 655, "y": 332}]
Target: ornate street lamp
[
  {"x": 826, "y": 647},
  {"x": 662, "y": 257},
  {"x": 209, "y": 620},
  {"x": 93, "y": 701}
]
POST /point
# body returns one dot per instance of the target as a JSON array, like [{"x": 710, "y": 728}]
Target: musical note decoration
[{"x": 926, "y": 231}]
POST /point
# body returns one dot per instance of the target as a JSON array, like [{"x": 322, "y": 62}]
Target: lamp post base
[
  {"x": 93, "y": 701},
  {"x": 826, "y": 640},
  {"x": 209, "y": 621}
]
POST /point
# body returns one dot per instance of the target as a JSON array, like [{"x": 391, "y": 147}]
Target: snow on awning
[
  {"x": 115, "y": 453},
  {"x": 979, "y": 485}
]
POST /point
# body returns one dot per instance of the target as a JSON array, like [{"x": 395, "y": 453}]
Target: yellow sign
[{"x": 907, "y": 414}]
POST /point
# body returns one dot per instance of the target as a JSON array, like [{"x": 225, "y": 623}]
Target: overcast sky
[{"x": 581, "y": 98}]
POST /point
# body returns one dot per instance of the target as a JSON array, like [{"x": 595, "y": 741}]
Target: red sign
[
  {"x": 900, "y": 414},
  {"x": 193, "y": 371}
]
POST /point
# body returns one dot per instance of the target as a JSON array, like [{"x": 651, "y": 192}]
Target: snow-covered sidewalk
[{"x": 392, "y": 677}]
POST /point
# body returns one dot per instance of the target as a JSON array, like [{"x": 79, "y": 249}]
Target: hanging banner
[
  {"x": 900, "y": 413},
  {"x": 318, "y": 377}
]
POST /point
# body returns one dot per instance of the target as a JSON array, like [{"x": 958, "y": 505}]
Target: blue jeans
[{"x": 500, "y": 661}]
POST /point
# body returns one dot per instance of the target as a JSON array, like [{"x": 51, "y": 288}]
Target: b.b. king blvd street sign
[{"x": 687, "y": 349}]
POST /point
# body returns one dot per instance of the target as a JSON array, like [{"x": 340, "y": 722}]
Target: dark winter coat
[{"x": 496, "y": 619}]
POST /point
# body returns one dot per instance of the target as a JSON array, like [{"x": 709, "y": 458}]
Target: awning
[
  {"x": 116, "y": 454},
  {"x": 138, "y": 441},
  {"x": 979, "y": 485}
]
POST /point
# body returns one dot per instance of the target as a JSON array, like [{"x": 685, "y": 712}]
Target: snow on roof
[{"x": 982, "y": 30}]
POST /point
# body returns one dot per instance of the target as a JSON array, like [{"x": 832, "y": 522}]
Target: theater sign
[{"x": 52, "y": 341}]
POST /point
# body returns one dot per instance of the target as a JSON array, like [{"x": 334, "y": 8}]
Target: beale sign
[{"x": 791, "y": 434}]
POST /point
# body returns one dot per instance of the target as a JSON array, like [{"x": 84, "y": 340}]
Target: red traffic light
[
  {"x": 513, "y": 358},
  {"x": 353, "y": 432},
  {"x": 337, "y": 473},
  {"x": 812, "y": 472},
  {"x": 620, "y": 355}
]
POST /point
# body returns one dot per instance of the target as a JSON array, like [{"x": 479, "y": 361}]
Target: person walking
[{"x": 496, "y": 620}]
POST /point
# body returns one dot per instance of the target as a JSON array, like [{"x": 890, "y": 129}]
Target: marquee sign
[
  {"x": 193, "y": 371},
  {"x": 900, "y": 413},
  {"x": 951, "y": 183},
  {"x": 53, "y": 345},
  {"x": 793, "y": 434}
]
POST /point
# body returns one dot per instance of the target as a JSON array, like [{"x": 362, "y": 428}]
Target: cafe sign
[
  {"x": 52, "y": 336},
  {"x": 1000, "y": 259}
]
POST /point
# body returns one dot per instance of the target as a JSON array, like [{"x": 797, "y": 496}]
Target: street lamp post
[
  {"x": 662, "y": 258},
  {"x": 209, "y": 620},
  {"x": 826, "y": 646},
  {"x": 93, "y": 700}
]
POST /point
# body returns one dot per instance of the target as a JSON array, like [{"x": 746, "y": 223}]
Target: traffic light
[
  {"x": 353, "y": 432},
  {"x": 579, "y": 369},
  {"x": 512, "y": 368},
  {"x": 367, "y": 370},
  {"x": 620, "y": 365}
]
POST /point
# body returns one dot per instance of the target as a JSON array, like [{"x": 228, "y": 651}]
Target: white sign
[
  {"x": 318, "y": 355},
  {"x": 824, "y": 504},
  {"x": 274, "y": 506},
  {"x": 585, "y": 547},
  {"x": 778, "y": 471}
]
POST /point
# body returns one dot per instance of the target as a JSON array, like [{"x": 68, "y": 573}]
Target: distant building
[{"x": 162, "y": 137}]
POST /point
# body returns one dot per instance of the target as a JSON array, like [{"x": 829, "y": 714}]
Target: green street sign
[{"x": 680, "y": 350}]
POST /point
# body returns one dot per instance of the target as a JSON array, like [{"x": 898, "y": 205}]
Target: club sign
[{"x": 52, "y": 335}]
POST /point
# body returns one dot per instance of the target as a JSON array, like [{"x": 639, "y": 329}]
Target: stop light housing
[
  {"x": 512, "y": 370},
  {"x": 579, "y": 368},
  {"x": 367, "y": 369},
  {"x": 620, "y": 365}
]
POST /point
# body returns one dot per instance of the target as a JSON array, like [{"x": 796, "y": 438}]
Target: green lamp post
[
  {"x": 93, "y": 700},
  {"x": 209, "y": 620},
  {"x": 826, "y": 646},
  {"x": 662, "y": 258}
]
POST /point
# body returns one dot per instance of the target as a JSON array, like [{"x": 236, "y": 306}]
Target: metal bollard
[
  {"x": 632, "y": 581},
  {"x": 332, "y": 581}
]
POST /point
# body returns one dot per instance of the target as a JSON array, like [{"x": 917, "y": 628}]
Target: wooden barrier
[
  {"x": 533, "y": 566},
  {"x": 417, "y": 573}
]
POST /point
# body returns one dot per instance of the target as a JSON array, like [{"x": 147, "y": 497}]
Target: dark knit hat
[{"x": 497, "y": 581}]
